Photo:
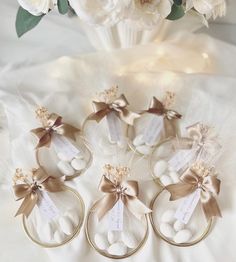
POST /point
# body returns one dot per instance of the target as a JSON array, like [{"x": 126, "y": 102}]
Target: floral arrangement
[{"x": 144, "y": 13}]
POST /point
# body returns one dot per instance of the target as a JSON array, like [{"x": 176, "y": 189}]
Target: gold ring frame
[
  {"x": 105, "y": 254},
  {"x": 187, "y": 244},
  {"x": 70, "y": 238},
  {"x": 77, "y": 173}
]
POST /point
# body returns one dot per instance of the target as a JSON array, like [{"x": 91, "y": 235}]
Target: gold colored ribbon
[
  {"x": 190, "y": 182},
  {"x": 199, "y": 138},
  {"x": 54, "y": 125},
  {"x": 29, "y": 191},
  {"x": 126, "y": 191},
  {"x": 156, "y": 107},
  {"x": 101, "y": 109}
]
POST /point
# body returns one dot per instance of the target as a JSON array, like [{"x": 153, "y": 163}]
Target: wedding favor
[
  {"x": 183, "y": 212},
  {"x": 117, "y": 225},
  {"x": 61, "y": 145},
  {"x": 112, "y": 118},
  {"x": 174, "y": 155},
  {"x": 155, "y": 124},
  {"x": 52, "y": 212}
]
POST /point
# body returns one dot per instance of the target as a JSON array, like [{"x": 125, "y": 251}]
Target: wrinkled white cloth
[{"x": 203, "y": 78}]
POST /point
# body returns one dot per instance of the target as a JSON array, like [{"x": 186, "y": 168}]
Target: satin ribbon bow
[
  {"x": 101, "y": 109},
  {"x": 126, "y": 191},
  {"x": 200, "y": 138},
  {"x": 29, "y": 192},
  {"x": 156, "y": 107},
  {"x": 209, "y": 186},
  {"x": 54, "y": 125}
]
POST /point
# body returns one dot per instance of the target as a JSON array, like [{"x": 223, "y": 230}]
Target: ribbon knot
[
  {"x": 126, "y": 191},
  {"x": 53, "y": 125},
  {"x": 29, "y": 191},
  {"x": 190, "y": 182},
  {"x": 102, "y": 109}
]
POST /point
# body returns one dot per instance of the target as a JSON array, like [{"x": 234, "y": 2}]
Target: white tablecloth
[{"x": 205, "y": 88}]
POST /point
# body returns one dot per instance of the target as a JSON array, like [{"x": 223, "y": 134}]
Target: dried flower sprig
[
  {"x": 42, "y": 114},
  {"x": 108, "y": 95},
  {"x": 116, "y": 173},
  {"x": 202, "y": 170},
  {"x": 169, "y": 99}
]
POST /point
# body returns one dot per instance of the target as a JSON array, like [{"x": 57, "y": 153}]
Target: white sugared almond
[
  {"x": 78, "y": 164},
  {"x": 63, "y": 157},
  {"x": 73, "y": 215},
  {"x": 113, "y": 236},
  {"x": 129, "y": 239},
  {"x": 101, "y": 241},
  {"x": 47, "y": 231},
  {"x": 168, "y": 216},
  {"x": 138, "y": 140},
  {"x": 65, "y": 168},
  {"x": 59, "y": 236},
  {"x": 183, "y": 236},
  {"x": 160, "y": 168},
  {"x": 167, "y": 230},
  {"x": 166, "y": 180},
  {"x": 178, "y": 225},
  {"x": 66, "y": 225},
  {"x": 174, "y": 176},
  {"x": 117, "y": 249}
]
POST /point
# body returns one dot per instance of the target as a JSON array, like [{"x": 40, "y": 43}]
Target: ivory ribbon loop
[
  {"x": 127, "y": 191},
  {"x": 118, "y": 106},
  {"x": 54, "y": 125},
  {"x": 209, "y": 185},
  {"x": 29, "y": 191}
]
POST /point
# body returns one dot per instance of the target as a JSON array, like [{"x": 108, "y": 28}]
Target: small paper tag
[
  {"x": 153, "y": 130},
  {"x": 182, "y": 158},
  {"x": 62, "y": 144},
  {"x": 114, "y": 126},
  {"x": 187, "y": 207},
  {"x": 116, "y": 217},
  {"x": 46, "y": 206}
]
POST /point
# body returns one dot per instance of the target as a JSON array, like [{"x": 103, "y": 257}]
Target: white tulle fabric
[{"x": 203, "y": 78}]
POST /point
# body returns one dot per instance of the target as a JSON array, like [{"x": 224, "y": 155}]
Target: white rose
[
  {"x": 37, "y": 7},
  {"x": 208, "y": 8},
  {"x": 148, "y": 13},
  {"x": 102, "y": 12}
]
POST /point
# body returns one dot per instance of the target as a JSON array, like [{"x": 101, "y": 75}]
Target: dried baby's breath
[
  {"x": 108, "y": 95},
  {"x": 116, "y": 173},
  {"x": 42, "y": 114},
  {"x": 20, "y": 176},
  {"x": 169, "y": 99}
]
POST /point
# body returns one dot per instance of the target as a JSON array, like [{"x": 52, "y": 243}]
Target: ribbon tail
[
  {"x": 211, "y": 208},
  {"x": 105, "y": 204},
  {"x": 135, "y": 206},
  {"x": 68, "y": 131},
  {"x": 43, "y": 136},
  {"x": 170, "y": 127},
  {"x": 28, "y": 204},
  {"x": 180, "y": 190}
]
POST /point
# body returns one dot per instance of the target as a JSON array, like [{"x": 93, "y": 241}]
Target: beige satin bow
[
  {"x": 190, "y": 182},
  {"x": 157, "y": 108},
  {"x": 126, "y": 191},
  {"x": 200, "y": 138},
  {"x": 101, "y": 109},
  {"x": 29, "y": 191},
  {"x": 54, "y": 125}
]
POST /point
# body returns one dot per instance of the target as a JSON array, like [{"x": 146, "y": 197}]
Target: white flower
[
  {"x": 102, "y": 12},
  {"x": 37, "y": 7},
  {"x": 148, "y": 13},
  {"x": 208, "y": 8}
]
